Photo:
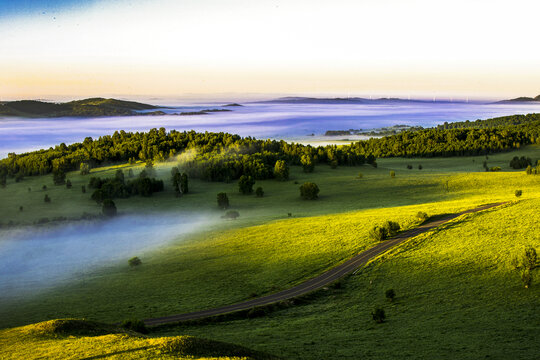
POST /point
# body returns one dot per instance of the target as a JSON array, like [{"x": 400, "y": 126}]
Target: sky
[{"x": 209, "y": 48}]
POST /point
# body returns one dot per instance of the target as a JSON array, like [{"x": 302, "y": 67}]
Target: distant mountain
[
  {"x": 521, "y": 99},
  {"x": 348, "y": 100},
  {"x": 86, "y": 107}
]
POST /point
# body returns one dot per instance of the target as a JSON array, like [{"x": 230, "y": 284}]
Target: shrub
[
  {"x": 526, "y": 263},
  {"x": 309, "y": 191},
  {"x": 83, "y": 189},
  {"x": 422, "y": 216},
  {"x": 495, "y": 168},
  {"x": 259, "y": 192},
  {"x": 223, "y": 200},
  {"x": 360, "y": 175},
  {"x": 409, "y": 166},
  {"x": 135, "y": 325},
  {"x": 134, "y": 261},
  {"x": 108, "y": 208},
  {"x": 256, "y": 312},
  {"x": 231, "y": 214},
  {"x": 378, "y": 315},
  {"x": 390, "y": 294},
  {"x": 387, "y": 230},
  {"x": 392, "y": 174},
  {"x": 44, "y": 187},
  {"x": 420, "y": 167},
  {"x": 518, "y": 193},
  {"x": 68, "y": 184},
  {"x": 20, "y": 208},
  {"x": 378, "y": 233},
  {"x": 47, "y": 199},
  {"x": 391, "y": 227}
]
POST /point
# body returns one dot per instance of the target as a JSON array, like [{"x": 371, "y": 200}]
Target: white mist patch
[{"x": 38, "y": 258}]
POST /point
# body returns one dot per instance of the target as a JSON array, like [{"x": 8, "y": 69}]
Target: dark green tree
[
  {"x": 222, "y": 200},
  {"x": 309, "y": 191},
  {"x": 245, "y": 184},
  {"x": 259, "y": 192},
  {"x": 59, "y": 177},
  {"x": 184, "y": 186},
  {"x": 119, "y": 175},
  {"x": 378, "y": 315},
  {"x": 109, "y": 208},
  {"x": 47, "y": 199},
  {"x": 134, "y": 261}
]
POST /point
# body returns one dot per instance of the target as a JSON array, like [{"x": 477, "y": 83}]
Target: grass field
[
  {"x": 78, "y": 339},
  {"x": 458, "y": 297},
  {"x": 263, "y": 251}
]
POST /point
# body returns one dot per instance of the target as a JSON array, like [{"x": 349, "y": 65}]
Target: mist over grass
[{"x": 37, "y": 258}]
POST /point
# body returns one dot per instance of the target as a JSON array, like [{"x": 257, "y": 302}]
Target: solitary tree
[
  {"x": 119, "y": 175},
  {"x": 392, "y": 174},
  {"x": 245, "y": 184},
  {"x": 47, "y": 199},
  {"x": 184, "y": 188},
  {"x": 309, "y": 191},
  {"x": 83, "y": 189},
  {"x": 281, "y": 170},
  {"x": 222, "y": 200},
  {"x": 68, "y": 184},
  {"x": 59, "y": 177},
  {"x": 307, "y": 163},
  {"x": 259, "y": 192},
  {"x": 525, "y": 264},
  {"x": 518, "y": 193},
  {"x": 134, "y": 261},
  {"x": 108, "y": 208},
  {"x": 85, "y": 168},
  {"x": 390, "y": 294},
  {"x": 149, "y": 167},
  {"x": 378, "y": 315}
]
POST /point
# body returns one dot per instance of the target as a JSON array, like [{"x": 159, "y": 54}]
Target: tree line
[
  {"x": 214, "y": 156},
  {"x": 223, "y": 157}
]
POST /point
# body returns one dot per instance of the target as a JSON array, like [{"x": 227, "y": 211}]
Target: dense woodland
[
  {"x": 491, "y": 123},
  {"x": 223, "y": 157}
]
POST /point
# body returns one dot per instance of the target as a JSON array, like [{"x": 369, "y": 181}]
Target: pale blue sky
[{"x": 168, "y": 47}]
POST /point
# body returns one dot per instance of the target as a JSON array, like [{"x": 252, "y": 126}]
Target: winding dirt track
[{"x": 319, "y": 281}]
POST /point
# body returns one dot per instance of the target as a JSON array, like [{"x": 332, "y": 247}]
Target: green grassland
[
  {"x": 264, "y": 251},
  {"x": 457, "y": 297},
  {"x": 78, "y": 339}
]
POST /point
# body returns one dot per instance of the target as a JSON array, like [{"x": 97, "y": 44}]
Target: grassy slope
[
  {"x": 219, "y": 267},
  {"x": 77, "y": 339},
  {"x": 457, "y": 298}
]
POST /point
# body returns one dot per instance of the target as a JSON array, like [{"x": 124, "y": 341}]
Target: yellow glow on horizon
[{"x": 166, "y": 47}]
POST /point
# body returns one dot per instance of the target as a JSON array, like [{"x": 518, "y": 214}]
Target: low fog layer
[
  {"x": 37, "y": 258},
  {"x": 279, "y": 121}
]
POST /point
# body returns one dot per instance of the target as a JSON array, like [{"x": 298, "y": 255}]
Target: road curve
[{"x": 319, "y": 281}]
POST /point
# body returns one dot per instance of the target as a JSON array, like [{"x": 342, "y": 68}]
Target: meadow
[
  {"x": 79, "y": 339},
  {"x": 457, "y": 297},
  {"x": 264, "y": 250}
]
